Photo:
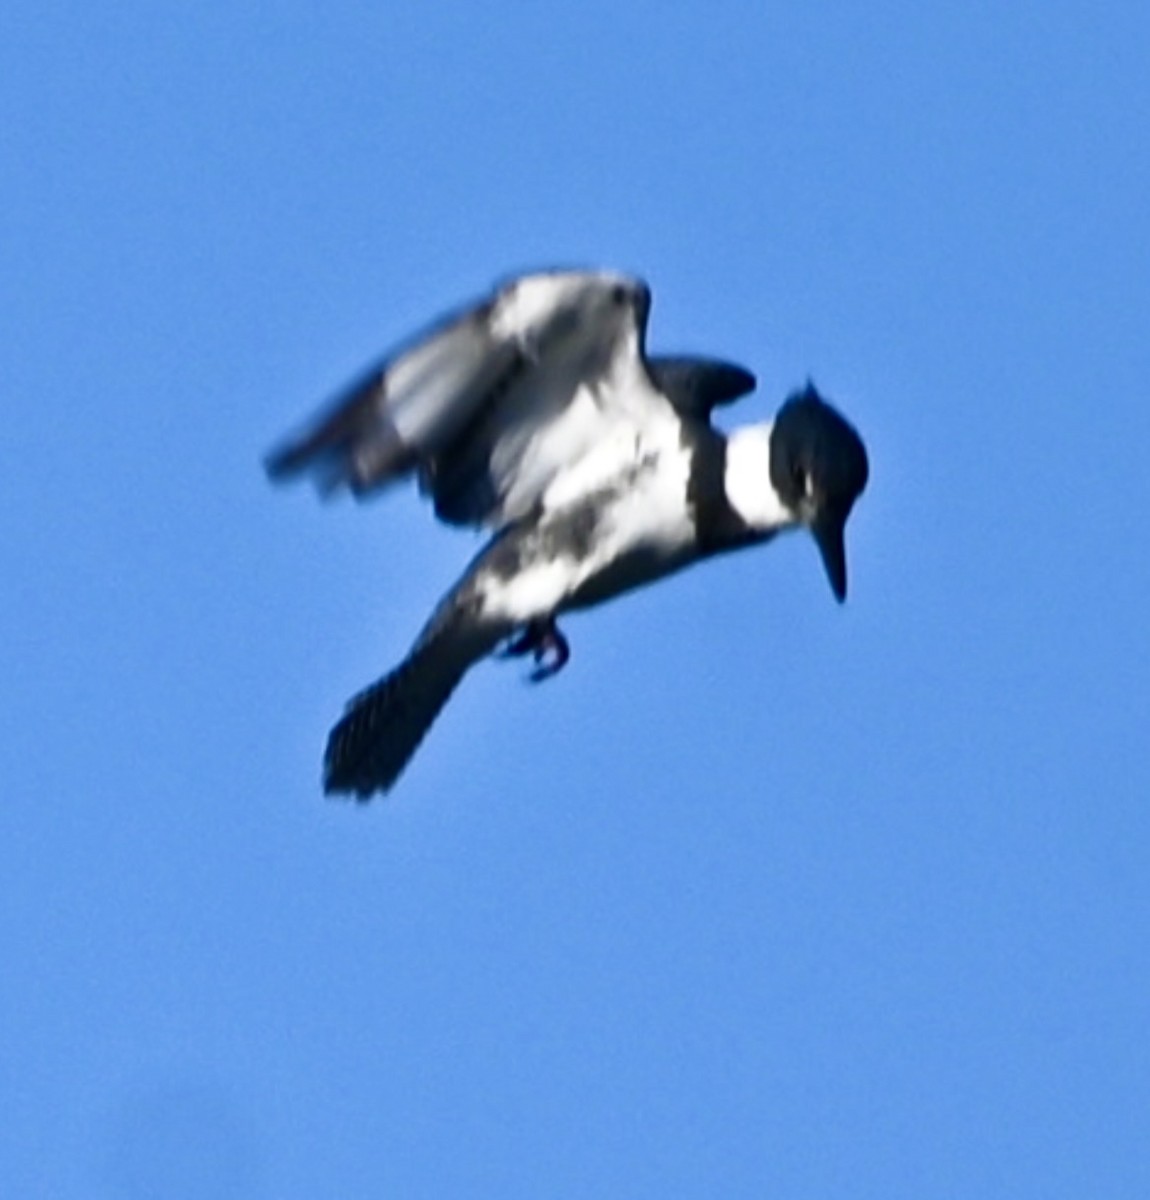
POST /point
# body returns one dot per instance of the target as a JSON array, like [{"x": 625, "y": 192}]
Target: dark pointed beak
[{"x": 829, "y": 530}]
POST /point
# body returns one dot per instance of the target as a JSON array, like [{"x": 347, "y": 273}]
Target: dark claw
[
  {"x": 540, "y": 639},
  {"x": 555, "y": 642},
  {"x": 525, "y": 643}
]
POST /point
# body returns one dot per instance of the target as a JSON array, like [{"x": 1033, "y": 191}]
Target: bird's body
[{"x": 539, "y": 415}]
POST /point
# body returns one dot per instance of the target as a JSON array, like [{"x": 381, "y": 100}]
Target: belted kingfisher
[{"x": 539, "y": 415}]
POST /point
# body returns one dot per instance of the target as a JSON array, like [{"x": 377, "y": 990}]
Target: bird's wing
[
  {"x": 695, "y": 385},
  {"x": 491, "y": 406}
]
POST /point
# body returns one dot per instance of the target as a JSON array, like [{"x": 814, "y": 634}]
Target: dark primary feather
[{"x": 352, "y": 443}]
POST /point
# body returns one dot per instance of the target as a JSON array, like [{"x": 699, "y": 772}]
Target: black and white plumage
[{"x": 538, "y": 414}]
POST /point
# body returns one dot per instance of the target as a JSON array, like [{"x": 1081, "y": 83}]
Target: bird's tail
[{"x": 383, "y": 726}]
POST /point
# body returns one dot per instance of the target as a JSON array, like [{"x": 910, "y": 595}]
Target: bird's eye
[{"x": 619, "y": 295}]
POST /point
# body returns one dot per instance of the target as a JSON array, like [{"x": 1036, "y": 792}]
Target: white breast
[
  {"x": 747, "y": 481},
  {"x": 640, "y": 529}
]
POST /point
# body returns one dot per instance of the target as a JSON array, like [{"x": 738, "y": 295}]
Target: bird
[{"x": 537, "y": 415}]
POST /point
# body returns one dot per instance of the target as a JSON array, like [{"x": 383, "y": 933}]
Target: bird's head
[{"x": 818, "y": 468}]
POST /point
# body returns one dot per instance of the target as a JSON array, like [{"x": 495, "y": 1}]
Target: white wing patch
[
  {"x": 525, "y": 306},
  {"x": 436, "y": 384}
]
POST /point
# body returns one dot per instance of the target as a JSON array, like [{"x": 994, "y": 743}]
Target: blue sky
[{"x": 762, "y": 897}]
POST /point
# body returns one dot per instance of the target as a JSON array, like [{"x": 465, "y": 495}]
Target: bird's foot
[{"x": 545, "y": 643}]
